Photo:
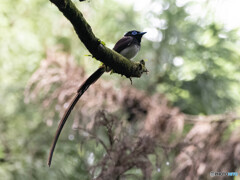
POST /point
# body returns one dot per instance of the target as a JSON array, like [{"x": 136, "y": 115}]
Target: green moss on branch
[{"x": 109, "y": 57}]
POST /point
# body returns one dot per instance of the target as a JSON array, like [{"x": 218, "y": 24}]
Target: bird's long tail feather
[{"x": 94, "y": 77}]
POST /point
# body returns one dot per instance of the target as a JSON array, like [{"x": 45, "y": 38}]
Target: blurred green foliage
[{"x": 194, "y": 63}]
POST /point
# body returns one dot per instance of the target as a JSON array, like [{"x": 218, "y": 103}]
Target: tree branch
[
  {"x": 211, "y": 118},
  {"x": 117, "y": 62}
]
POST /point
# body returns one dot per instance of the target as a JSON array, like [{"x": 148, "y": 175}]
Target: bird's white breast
[{"x": 130, "y": 52}]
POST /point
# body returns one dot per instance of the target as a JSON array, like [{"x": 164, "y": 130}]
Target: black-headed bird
[{"x": 128, "y": 46}]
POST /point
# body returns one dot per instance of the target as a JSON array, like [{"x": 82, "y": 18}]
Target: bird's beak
[{"x": 142, "y": 33}]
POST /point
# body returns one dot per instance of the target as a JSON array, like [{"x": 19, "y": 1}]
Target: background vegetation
[{"x": 194, "y": 69}]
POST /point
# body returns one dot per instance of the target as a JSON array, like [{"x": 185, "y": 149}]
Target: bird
[{"x": 128, "y": 46}]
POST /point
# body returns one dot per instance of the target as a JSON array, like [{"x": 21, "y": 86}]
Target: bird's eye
[{"x": 134, "y": 32}]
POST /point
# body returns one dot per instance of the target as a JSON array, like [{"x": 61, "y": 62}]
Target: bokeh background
[{"x": 192, "y": 52}]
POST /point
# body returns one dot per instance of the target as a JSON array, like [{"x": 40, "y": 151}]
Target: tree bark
[{"x": 115, "y": 61}]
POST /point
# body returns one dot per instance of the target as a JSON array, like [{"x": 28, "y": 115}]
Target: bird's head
[{"x": 135, "y": 33}]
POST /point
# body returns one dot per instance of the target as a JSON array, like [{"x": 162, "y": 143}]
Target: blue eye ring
[{"x": 134, "y": 32}]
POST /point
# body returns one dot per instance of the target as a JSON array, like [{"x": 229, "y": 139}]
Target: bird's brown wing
[{"x": 123, "y": 43}]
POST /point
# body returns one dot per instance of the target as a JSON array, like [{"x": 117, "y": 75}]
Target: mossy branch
[{"x": 117, "y": 62}]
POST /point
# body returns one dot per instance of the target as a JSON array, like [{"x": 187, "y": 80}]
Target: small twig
[
  {"x": 211, "y": 118},
  {"x": 95, "y": 137},
  {"x": 130, "y": 80}
]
